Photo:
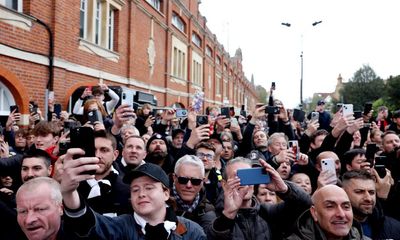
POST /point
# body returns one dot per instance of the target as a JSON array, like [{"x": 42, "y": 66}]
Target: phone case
[
  {"x": 328, "y": 164},
  {"x": 294, "y": 146},
  {"x": 347, "y": 109},
  {"x": 253, "y": 176}
]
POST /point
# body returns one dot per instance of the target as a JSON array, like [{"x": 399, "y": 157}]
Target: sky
[{"x": 352, "y": 34}]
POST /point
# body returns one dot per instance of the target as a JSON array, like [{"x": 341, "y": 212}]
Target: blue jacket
[{"x": 95, "y": 226}]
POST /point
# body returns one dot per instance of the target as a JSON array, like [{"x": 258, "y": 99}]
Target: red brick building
[{"x": 161, "y": 47}]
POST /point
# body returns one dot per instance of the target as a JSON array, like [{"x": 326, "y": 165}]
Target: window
[
  {"x": 82, "y": 22},
  {"x": 97, "y": 23},
  {"x": 179, "y": 66},
  {"x": 178, "y": 22},
  {"x": 197, "y": 69},
  {"x": 196, "y": 40},
  {"x": 179, "y": 62},
  {"x": 218, "y": 85},
  {"x": 156, "y": 4},
  {"x": 218, "y": 60},
  {"x": 12, "y": 4},
  {"x": 209, "y": 51},
  {"x": 225, "y": 88},
  {"x": 225, "y": 67},
  {"x": 110, "y": 28}
]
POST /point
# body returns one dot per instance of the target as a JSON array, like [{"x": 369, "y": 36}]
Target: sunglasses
[{"x": 185, "y": 180}]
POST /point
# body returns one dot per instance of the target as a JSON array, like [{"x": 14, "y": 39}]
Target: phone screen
[{"x": 252, "y": 176}]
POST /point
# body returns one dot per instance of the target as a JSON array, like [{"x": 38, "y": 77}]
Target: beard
[{"x": 156, "y": 157}]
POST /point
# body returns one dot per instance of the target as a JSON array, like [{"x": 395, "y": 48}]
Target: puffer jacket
[{"x": 307, "y": 229}]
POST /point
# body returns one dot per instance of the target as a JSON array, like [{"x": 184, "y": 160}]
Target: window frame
[{"x": 178, "y": 22}]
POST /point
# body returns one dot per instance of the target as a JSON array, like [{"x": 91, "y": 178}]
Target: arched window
[{"x": 6, "y": 100}]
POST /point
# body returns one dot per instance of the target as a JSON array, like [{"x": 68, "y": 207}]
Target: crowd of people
[{"x": 108, "y": 171}]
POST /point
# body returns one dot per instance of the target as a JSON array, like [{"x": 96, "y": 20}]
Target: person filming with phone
[{"x": 243, "y": 217}]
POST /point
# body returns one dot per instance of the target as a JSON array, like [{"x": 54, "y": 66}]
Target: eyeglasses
[
  {"x": 185, "y": 180},
  {"x": 202, "y": 155}
]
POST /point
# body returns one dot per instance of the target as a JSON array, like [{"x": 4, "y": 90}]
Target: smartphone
[
  {"x": 253, "y": 176},
  {"x": 181, "y": 113},
  {"x": 272, "y": 110},
  {"x": 225, "y": 112},
  {"x": 201, "y": 120},
  {"x": 57, "y": 109},
  {"x": 358, "y": 114},
  {"x": 381, "y": 170},
  {"x": 315, "y": 116},
  {"x": 127, "y": 98},
  {"x": 367, "y": 108},
  {"x": 380, "y": 160},
  {"x": 347, "y": 109},
  {"x": 328, "y": 164},
  {"x": 370, "y": 152},
  {"x": 339, "y": 106},
  {"x": 234, "y": 121},
  {"x": 83, "y": 138},
  {"x": 299, "y": 115},
  {"x": 95, "y": 116},
  {"x": 14, "y": 107},
  {"x": 273, "y": 86},
  {"x": 294, "y": 147}
]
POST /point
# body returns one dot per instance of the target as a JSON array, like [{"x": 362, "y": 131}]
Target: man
[
  {"x": 390, "y": 147},
  {"x": 106, "y": 193},
  {"x": 324, "y": 117},
  {"x": 360, "y": 187},
  {"x": 133, "y": 155},
  {"x": 39, "y": 209},
  {"x": 216, "y": 142},
  {"x": 35, "y": 163},
  {"x": 326, "y": 177},
  {"x": 152, "y": 218},
  {"x": 227, "y": 153},
  {"x": 355, "y": 159},
  {"x": 330, "y": 217},
  {"x": 157, "y": 153},
  {"x": 244, "y": 218},
  {"x": 177, "y": 142},
  {"x": 212, "y": 178},
  {"x": 187, "y": 189}
]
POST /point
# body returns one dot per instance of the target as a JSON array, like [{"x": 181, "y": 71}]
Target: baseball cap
[
  {"x": 321, "y": 102},
  {"x": 176, "y": 132},
  {"x": 148, "y": 169}
]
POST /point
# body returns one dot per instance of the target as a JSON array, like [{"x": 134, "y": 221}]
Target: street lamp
[{"x": 301, "y": 61}]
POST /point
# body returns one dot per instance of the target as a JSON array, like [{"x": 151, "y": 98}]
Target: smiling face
[
  {"x": 148, "y": 197},
  {"x": 39, "y": 216},
  {"x": 332, "y": 211}
]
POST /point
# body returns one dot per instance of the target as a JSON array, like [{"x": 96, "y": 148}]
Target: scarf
[
  {"x": 159, "y": 232},
  {"x": 186, "y": 207}
]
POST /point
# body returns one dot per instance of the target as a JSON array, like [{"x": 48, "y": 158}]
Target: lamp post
[{"x": 301, "y": 60}]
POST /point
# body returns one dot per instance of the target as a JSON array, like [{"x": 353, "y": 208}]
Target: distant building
[
  {"x": 160, "y": 47},
  {"x": 329, "y": 97}
]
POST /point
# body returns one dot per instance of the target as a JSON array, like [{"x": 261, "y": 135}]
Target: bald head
[{"x": 332, "y": 211}]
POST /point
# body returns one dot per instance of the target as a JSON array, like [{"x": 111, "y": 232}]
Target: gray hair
[
  {"x": 130, "y": 126},
  {"x": 192, "y": 160},
  {"x": 233, "y": 161},
  {"x": 33, "y": 184},
  {"x": 275, "y": 136}
]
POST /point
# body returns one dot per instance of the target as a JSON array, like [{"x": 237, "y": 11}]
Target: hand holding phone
[
  {"x": 83, "y": 138},
  {"x": 328, "y": 168}
]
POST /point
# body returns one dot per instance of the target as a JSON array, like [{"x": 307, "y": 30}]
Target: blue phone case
[{"x": 252, "y": 176}]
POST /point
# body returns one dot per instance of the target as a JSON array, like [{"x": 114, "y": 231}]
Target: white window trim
[
  {"x": 19, "y": 7},
  {"x": 15, "y": 18},
  {"x": 98, "y": 50}
]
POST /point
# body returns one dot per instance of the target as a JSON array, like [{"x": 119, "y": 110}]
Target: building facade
[{"x": 161, "y": 47}]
